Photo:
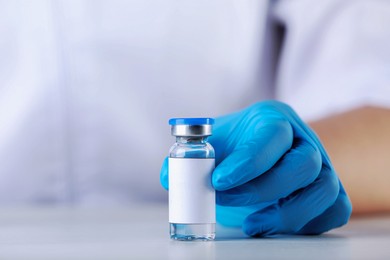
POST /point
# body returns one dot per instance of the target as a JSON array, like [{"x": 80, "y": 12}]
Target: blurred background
[{"x": 87, "y": 87}]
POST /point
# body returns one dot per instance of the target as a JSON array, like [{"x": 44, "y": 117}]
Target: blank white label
[{"x": 191, "y": 194}]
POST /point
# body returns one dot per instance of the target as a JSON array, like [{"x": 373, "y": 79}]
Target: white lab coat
[{"x": 87, "y": 87}]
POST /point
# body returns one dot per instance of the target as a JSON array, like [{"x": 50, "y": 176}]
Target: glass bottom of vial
[{"x": 192, "y": 232}]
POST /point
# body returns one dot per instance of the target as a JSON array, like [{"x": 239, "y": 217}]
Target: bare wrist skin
[{"x": 358, "y": 143}]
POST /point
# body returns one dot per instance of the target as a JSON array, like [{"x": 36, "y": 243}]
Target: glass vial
[{"x": 191, "y": 195}]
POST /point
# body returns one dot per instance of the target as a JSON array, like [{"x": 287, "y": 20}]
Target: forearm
[{"x": 358, "y": 143}]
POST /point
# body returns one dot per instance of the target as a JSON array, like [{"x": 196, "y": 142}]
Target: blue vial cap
[{"x": 191, "y": 121}]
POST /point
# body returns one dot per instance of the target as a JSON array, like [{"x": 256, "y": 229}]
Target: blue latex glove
[{"x": 274, "y": 174}]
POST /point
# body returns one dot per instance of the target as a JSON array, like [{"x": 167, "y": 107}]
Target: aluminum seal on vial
[{"x": 191, "y": 126}]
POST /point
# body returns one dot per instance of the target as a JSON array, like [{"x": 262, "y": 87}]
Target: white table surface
[{"x": 141, "y": 232}]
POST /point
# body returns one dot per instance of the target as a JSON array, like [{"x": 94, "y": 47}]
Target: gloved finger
[
  {"x": 221, "y": 139},
  {"x": 256, "y": 155},
  {"x": 291, "y": 214},
  {"x": 335, "y": 216},
  {"x": 302, "y": 130},
  {"x": 298, "y": 168},
  {"x": 164, "y": 174}
]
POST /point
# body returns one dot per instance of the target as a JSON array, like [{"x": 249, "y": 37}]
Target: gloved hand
[{"x": 269, "y": 159}]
